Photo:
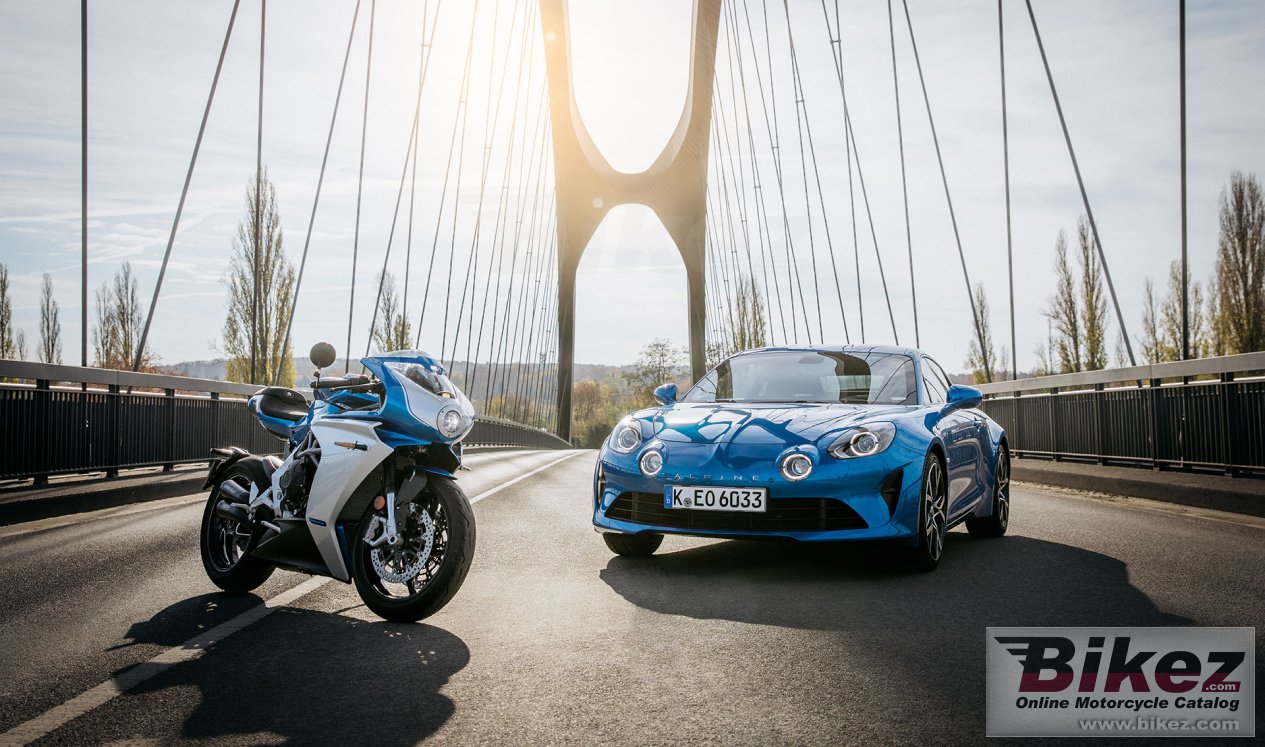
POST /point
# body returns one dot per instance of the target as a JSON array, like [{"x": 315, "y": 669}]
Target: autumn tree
[
  {"x": 8, "y": 345},
  {"x": 658, "y": 363},
  {"x": 1064, "y": 311},
  {"x": 1239, "y": 302},
  {"x": 1093, "y": 302},
  {"x": 272, "y": 352},
  {"x": 117, "y": 333},
  {"x": 50, "y": 324},
  {"x": 392, "y": 330},
  {"x": 979, "y": 361}
]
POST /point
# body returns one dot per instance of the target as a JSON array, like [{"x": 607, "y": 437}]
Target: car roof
[{"x": 882, "y": 349}]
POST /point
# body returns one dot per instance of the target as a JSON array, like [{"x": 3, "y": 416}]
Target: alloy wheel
[{"x": 934, "y": 498}]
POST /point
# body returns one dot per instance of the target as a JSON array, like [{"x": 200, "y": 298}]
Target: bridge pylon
[{"x": 674, "y": 186}]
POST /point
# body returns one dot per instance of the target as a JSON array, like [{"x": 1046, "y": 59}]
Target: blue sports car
[{"x": 812, "y": 444}]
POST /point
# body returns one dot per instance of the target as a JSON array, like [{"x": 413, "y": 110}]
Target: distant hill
[{"x": 216, "y": 369}]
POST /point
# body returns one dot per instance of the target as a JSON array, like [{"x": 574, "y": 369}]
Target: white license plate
[{"x": 750, "y": 500}]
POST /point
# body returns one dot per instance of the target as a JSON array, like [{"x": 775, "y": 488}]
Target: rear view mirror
[
  {"x": 322, "y": 355},
  {"x": 961, "y": 396},
  {"x": 665, "y": 394}
]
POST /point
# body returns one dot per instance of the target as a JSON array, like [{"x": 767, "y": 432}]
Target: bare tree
[
  {"x": 1064, "y": 311},
  {"x": 1152, "y": 347},
  {"x": 50, "y": 324},
  {"x": 8, "y": 347},
  {"x": 981, "y": 360},
  {"x": 276, "y": 289},
  {"x": 1170, "y": 319},
  {"x": 392, "y": 331},
  {"x": 1240, "y": 272},
  {"x": 1093, "y": 302},
  {"x": 747, "y": 322},
  {"x": 659, "y": 362},
  {"x": 119, "y": 318}
]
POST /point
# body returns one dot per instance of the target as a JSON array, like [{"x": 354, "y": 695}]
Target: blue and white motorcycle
[{"x": 367, "y": 491}]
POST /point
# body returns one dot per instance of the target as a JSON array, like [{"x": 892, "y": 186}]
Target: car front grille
[{"x": 783, "y": 514}]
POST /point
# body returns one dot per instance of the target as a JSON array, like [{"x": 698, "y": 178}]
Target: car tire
[
  {"x": 633, "y": 545},
  {"x": 933, "y": 500},
  {"x": 995, "y": 524}
]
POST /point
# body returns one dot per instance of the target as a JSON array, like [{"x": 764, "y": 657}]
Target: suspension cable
[
  {"x": 360, "y": 183},
  {"x": 825, "y": 215},
  {"x": 411, "y": 150},
  {"x": 1005, "y": 152},
  {"x": 258, "y": 217},
  {"x": 1093, "y": 225},
  {"x": 763, "y": 231},
  {"x": 457, "y": 120},
  {"x": 320, "y": 180},
  {"x": 970, "y": 294},
  {"x": 184, "y": 192},
  {"x": 904, "y": 184},
  {"x": 422, "y": 63}
]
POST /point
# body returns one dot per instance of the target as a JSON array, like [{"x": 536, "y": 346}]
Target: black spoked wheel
[
  {"x": 415, "y": 577},
  {"x": 995, "y": 524},
  {"x": 932, "y": 516},
  {"x": 226, "y": 545}
]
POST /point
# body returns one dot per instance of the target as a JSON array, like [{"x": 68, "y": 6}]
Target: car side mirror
[
  {"x": 961, "y": 396},
  {"x": 665, "y": 394}
]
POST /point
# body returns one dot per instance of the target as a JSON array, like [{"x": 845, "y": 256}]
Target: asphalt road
[{"x": 554, "y": 640}]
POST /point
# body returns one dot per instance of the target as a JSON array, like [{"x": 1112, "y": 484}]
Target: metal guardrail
[
  {"x": 1206, "y": 414},
  {"x": 66, "y": 419}
]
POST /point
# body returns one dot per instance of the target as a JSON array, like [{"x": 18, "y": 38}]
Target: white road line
[
  {"x": 16, "y": 530},
  {"x": 56, "y": 522},
  {"x": 190, "y": 650},
  {"x": 520, "y": 478}
]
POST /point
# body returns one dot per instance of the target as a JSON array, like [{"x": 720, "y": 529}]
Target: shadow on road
[
  {"x": 924, "y": 631},
  {"x": 1009, "y": 581},
  {"x": 299, "y": 676}
]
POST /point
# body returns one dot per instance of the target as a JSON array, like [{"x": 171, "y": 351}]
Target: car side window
[{"x": 936, "y": 383}]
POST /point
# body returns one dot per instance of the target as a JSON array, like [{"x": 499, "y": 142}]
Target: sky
[{"x": 150, "y": 66}]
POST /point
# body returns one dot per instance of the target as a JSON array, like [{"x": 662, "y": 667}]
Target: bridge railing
[
  {"x": 1206, "y": 414},
  {"x": 57, "y": 420}
]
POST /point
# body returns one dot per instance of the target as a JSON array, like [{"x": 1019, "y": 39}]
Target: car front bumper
[{"x": 868, "y": 498}]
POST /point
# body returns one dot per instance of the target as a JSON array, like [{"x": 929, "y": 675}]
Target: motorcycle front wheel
[{"x": 415, "y": 578}]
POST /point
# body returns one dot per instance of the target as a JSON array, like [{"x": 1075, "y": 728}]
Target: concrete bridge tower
[{"x": 674, "y": 186}]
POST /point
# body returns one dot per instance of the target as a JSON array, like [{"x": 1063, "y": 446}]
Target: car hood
[{"x": 738, "y": 423}]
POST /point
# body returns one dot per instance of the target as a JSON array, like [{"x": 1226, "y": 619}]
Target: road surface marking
[
  {"x": 190, "y": 650},
  {"x": 15, "y": 530},
  {"x": 56, "y": 522}
]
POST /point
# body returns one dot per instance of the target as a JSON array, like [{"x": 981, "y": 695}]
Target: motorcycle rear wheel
[
  {"x": 442, "y": 569},
  {"x": 226, "y": 545}
]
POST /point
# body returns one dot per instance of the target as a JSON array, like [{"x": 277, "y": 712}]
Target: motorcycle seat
[{"x": 282, "y": 402}]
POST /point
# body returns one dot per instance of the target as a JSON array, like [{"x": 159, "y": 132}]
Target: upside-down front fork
[{"x": 390, "y": 530}]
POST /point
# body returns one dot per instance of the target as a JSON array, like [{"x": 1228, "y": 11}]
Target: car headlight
[
  {"x": 862, "y": 440},
  {"x": 627, "y": 436},
  {"x": 651, "y": 463},
  {"x": 450, "y": 422},
  {"x": 795, "y": 467}
]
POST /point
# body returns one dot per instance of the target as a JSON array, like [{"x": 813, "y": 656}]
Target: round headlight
[
  {"x": 627, "y": 437},
  {"x": 450, "y": 422},
  {"x": 796, "y": 466},
  {"x": 651, "y": 463},
  {"x": 865, "y": 443}
]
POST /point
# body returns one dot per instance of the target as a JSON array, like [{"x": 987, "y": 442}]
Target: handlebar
[{"x": 345, "y": 382}]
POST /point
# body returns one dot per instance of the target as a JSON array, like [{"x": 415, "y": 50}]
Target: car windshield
[{"x": 810, "y": 376}]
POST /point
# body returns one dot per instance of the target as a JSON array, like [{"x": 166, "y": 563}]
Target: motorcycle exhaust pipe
[
  {"x": 234, "y": 493},
  {"x": 232, "y": 512}
]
